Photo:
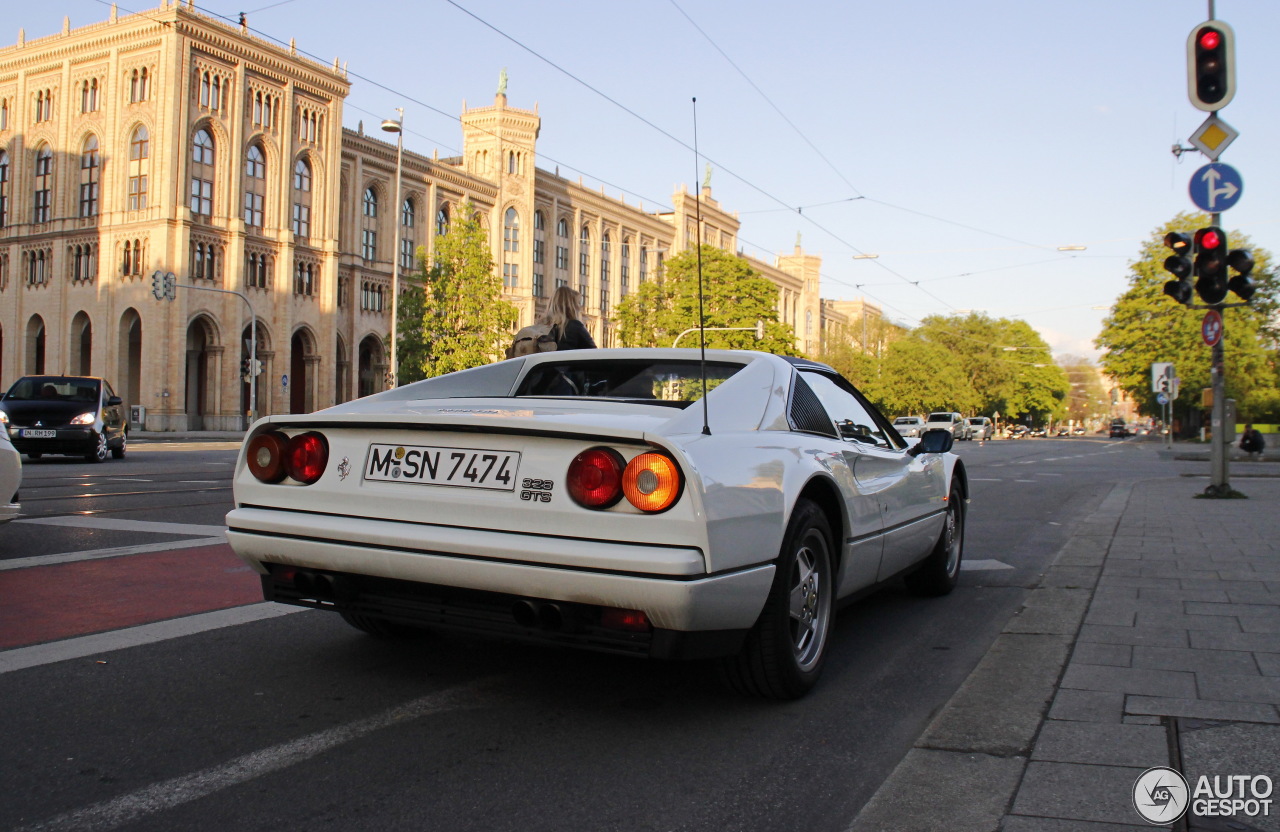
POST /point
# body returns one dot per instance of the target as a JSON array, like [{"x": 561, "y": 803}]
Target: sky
[{"x": 961, "y": 143}]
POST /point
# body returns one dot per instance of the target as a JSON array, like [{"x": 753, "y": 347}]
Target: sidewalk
[
  {"x": 186, "y": 436},
  {"x": 1153, "y": 640}
]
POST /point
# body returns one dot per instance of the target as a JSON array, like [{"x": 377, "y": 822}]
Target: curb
[{"x": 965, "y": 769}]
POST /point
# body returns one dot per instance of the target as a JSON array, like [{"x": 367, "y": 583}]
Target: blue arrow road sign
[{"x": 1216, "y": 187}]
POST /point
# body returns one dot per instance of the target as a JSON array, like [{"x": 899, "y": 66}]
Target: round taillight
[
  {"x": 307, "y": 455},
  {"x": 266, "y": 456},
  {"x": 651, "y": 482},
  {"x": 595, "y": 478}
]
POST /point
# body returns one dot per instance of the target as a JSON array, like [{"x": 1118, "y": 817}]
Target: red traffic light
[
  {"x": 1208, "y": 239},
  {"x": 1211, "y": 65}
]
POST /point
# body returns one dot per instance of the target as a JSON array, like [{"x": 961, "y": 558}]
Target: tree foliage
[
  {"x": 457, "y": 319},
  {"x": 734, "y": 295},
  {"x": 1146, "y": 326}
]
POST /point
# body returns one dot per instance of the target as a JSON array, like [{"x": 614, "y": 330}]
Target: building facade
[{"x": 168, "y": 142}]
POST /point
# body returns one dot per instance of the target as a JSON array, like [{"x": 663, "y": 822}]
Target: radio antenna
[{"x": 697, "y": 242}]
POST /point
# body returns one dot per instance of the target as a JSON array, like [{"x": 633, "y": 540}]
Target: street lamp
[{"x": 395, "y": 126}]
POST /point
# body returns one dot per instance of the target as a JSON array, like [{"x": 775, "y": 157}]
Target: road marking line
[
  {"x": 77, "y": 648},
  {"x": 177, "y": 791},
  {"x": 982, "y": 565},
  {"x": 114, "y": 524},
  {"x": 198, "y": 482},
  {"x": 113, "y": 552}
]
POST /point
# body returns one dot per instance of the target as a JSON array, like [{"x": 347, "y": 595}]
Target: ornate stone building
[{"x": 169, "y": 142}]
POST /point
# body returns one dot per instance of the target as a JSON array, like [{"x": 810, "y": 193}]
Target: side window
[{"x": 852, "y": 418}]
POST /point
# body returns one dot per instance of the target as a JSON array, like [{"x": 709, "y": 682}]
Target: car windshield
[
  {"x": 907, "y": 420},
  {"x": 53, "y": 388},
  {"x": 670, "y": 383},
  {"x": 940, "y": 417}
]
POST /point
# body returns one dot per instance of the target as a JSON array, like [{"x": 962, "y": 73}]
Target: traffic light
[
  {"x": 1242, "y": 261},
  {"x": 1179, "y": 265},
  {"x": 1211, "y": 264},
  {"x": 1211, "y": 65},
  {"x": 245, "y": 369},
  {"x": 257, "y": 366},
  {"x": 157, "y": 284}
]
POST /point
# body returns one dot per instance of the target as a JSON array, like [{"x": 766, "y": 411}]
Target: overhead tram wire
[
  {"x": 451, "y": 116},
  {"x": 769, "y": 101}
]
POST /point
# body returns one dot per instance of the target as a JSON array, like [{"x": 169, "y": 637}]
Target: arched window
[
  {"x": 202, "y": 173},
  {"x": 408, "y": 212},
  {"x": 138, "y": 85},
  {"x": 89, "y": 96},
  {"x": 606, "y": 262},
  {"x": 90, "y": 167},
  {"x": 139, "y": 164},
  {"x": 584, "y": 264},
  {"x": 302, "y": 198},
  {"x": 562, "y": 252},
  {"x": 255, "y": 185},
  {"x": 369, "y": 230},
  {"x": 4, "y": 188},
  {"x": 442, "y": 221},
  {"x": 511, "y": 231},
  {"x": 43, "y": 201},
  {"x": 511, "y": 162},
  {"x": 624, "y": 268},
  {"x": 539, "y": 254}
]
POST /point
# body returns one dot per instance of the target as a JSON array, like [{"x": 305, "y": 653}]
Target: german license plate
[
  {"x": 30, "y": 433},
  {"x": 430, "y": 465}
]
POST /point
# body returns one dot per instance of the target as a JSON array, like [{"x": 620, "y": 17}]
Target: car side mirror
[
  {"x": 933, "y": 441},
  {"x": 114, "y": 400}
]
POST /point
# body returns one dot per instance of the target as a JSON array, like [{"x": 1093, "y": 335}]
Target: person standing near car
[
  {"x": 1251, "y": 442},
  {"x": 564, "y": 315}
]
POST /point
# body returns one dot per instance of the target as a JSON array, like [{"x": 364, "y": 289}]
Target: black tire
[
  {"x": 940, "y": 571},
  {"x": 99, "y": 452},
  {"x": 118, "y": 451},
  {"x": 378, "y": 627},
  {"x": 785, "y": 651}
]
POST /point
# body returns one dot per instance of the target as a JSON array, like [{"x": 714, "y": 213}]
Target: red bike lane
[{"x": 48, "y": 603}]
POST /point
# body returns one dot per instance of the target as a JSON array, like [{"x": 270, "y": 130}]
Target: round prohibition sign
[{"x": 1211, "y": 328}]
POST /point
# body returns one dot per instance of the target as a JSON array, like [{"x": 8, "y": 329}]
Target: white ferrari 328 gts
[{"x": 596, "y": 498}]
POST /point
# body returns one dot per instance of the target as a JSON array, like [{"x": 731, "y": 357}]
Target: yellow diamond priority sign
[{"x": 1213, "y": 137}]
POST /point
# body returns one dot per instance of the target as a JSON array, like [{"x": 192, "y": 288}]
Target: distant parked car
[
  {"x": 946, "y": 420},
  {"x": 73, "y": 415},
  {"x": 1039, "y": 431},
  {"x": 978, "y": 427},
  {"x": 908, "y": 425},
  {"x": 10, "y": 479},
  {"x": 1018, "y": 431}
]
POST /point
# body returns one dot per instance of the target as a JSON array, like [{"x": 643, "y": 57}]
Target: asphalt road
[{"x": 299, "y": 721}]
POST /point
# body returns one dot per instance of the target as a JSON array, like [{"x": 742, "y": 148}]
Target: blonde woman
[{"x": 563, "y": 315}]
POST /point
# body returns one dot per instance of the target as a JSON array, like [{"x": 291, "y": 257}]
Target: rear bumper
[{"x": 667, "y": 583}]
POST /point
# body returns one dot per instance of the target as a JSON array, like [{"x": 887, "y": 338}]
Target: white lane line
[
  {"x": 169, "y": 794},
  {"x": 982, "y": 565},
  {"x": 77, "y": 648},
  {"x": 113, "y": 552},
  {"x": 1026, "y": 480},
  {"x": 79, "y": 521},
  {"x": 198, "y": 482}
]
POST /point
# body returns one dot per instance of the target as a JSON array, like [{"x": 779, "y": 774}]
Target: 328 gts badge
[{"x": 538, "y": 491}]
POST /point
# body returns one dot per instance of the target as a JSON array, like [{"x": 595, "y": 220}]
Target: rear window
[
  {"x": 907, "y": 420},
  {"x": 670, "y": 383},
  {"x": 942, "y": 417}
]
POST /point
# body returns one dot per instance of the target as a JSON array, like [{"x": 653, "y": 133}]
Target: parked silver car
[{"x": 908, "y": 426}]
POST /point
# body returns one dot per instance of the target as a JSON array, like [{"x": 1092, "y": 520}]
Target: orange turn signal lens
[{"x": 651, "y": 482}]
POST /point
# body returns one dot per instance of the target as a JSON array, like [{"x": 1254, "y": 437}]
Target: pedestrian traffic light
[
  {"x": 1179, "y": 265},
  {"x": 1241, "y": 261},
  {"x": 1211, "y": 65},
  {"x": 1211, "y": 264}
]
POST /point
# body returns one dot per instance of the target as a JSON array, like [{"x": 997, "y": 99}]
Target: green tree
[
  {"x": 1146, "y": 326},
  {"x": 734, "y": 295},
  {"x": 1088, "y": 396},
  {"x": 918, "y": 376},
  {"x": 461, "y": 319}
]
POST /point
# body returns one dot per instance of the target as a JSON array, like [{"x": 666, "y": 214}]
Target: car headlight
[
  {"x": 85, "y": 419},
  {"x": 4, "y": 418}
]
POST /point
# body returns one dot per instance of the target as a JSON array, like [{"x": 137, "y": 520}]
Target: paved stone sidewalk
[{"x": 1154, "y": 640}]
